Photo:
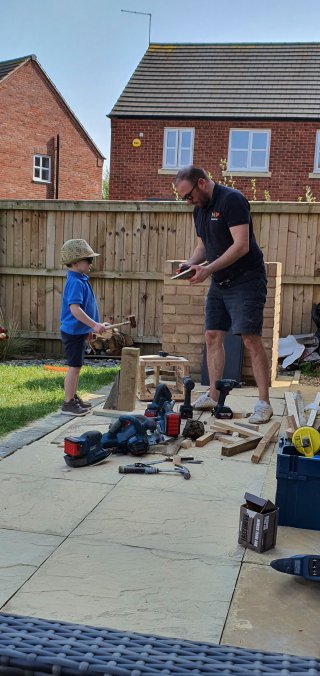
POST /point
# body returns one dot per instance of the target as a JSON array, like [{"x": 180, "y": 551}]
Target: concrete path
[{"x": 155, "y": 554}]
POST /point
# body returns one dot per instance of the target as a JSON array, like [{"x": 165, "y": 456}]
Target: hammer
[{"x": 131, "y": 320}]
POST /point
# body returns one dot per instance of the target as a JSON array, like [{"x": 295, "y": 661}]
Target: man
[{"x": 238, "y": 289}]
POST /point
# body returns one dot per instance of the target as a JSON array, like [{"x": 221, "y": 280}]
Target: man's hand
[
  {"x": 201, "y": 274},
  {"x": 181, "y": 265}
]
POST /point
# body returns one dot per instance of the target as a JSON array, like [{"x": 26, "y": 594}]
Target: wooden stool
[{"x": 179, "y": 366}]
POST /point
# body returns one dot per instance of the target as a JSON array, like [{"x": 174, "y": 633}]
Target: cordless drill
[
  {"x": 224, "y": 386},
  {"x": 186, "y": 410}
]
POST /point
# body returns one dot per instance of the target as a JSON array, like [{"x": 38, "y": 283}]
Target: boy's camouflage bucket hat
[{"x": 75, "y": 249}]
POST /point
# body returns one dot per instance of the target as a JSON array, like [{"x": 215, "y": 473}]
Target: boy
[{"x": 79, "y": 316}]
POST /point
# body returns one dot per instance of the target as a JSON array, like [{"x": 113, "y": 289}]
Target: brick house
[
  {"x": 45, "y": 153},
  {"x": 255, "y": 105}
]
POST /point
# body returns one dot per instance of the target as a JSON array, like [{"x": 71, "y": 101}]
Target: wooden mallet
[{"x": 131, "y": 320}]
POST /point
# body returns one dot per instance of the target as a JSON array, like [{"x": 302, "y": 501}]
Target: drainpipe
[{"x": 57, "y": 166}]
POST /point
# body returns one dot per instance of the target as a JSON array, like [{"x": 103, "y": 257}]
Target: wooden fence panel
[{"x": 135, "y": 240}]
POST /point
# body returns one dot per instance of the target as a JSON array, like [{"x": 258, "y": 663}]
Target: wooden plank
[
  {"x": 67, "y": 226},
  {"x": 42, "y": 239},
  {"x": 50, "y": 242},
  {"x": 3, "y": 237},
  {"x": 313, "y": 413},
  {"x": 273, "y": 239},
  {"x": 35, "y": 310},
  {"x": 204, "y": 439},
  {"x": 86, "y": 225},
  {"x": 173, "y": 206},
  {"x": 282, "y": 239},
  {"x": 265, "y": 441},
  {"x": 300, "y": 408},
  {"x": 101, "y": 274},
  {"x": 291, "y": 407},
  {"x": 240, "y": 447},
  {"x": 76, "y": 226},
  {"x": 128, "y": 378},
  {"x": 249, "y": 426},
  {"x": 232, "y": 427},
  {"x": 265, "y": 234},
  {"x": 18, "y": 240},
  {"x": 291, "y": 422},
  {"x": 59, "y": 239}
]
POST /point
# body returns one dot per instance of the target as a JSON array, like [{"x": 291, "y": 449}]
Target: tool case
[{"x": 298, "y": 488}]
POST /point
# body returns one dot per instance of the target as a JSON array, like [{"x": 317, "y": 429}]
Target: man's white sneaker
[
  {"x": 204, "y": 403},
  {"x": 262, "y": 413}
]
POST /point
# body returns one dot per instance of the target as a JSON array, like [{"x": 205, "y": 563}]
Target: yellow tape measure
[{"x": 306, "y": 441}]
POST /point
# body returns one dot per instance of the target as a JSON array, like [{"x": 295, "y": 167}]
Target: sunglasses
[
  {"x": 187, "y": 197},
  {"x": 88, "y": 260}
]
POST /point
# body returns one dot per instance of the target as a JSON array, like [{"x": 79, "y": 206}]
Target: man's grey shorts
[{"x": 238, "y": 307}]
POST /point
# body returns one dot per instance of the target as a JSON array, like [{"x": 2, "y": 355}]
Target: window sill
[
  {"x": 314, "y": 175},
  {"x": 258, "y": 174},
  {"x": 169, "y": 172},
  {"x": 38, "y": 180}
]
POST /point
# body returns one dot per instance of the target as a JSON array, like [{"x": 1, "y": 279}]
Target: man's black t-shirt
[{"x": 226, "y": 209}]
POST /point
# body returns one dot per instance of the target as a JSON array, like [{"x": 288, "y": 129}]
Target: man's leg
[
  {"x": 260, "y": 364},
  {"x": 215, "y": 359}
]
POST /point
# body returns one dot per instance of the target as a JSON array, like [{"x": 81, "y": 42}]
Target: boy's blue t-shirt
[{"x": 77, "y": 291}]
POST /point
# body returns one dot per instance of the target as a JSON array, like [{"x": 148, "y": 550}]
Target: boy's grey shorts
[{"x": 238, "y": 306}]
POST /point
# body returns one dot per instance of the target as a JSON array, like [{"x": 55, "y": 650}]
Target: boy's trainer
[
  {"x": 83, "y": 404},
  {"x": 73, "y": 407}
]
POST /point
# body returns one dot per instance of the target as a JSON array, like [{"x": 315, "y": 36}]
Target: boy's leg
[
  {"x": 71, "y": 382},
  {"x": 74, "y": 350}
]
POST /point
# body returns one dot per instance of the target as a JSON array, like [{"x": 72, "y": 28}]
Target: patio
[{"x": 153, "y": 554}]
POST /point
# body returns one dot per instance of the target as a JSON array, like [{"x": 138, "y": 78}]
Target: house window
[
  {"x": 177, "y": 148},
  {"x": 42, "y": 168},
  {"x": 317, "y": 154},
  {"x": 249, "y": 150}
]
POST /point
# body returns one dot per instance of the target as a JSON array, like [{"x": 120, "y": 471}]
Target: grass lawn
[{"x": 31, "y": 392}]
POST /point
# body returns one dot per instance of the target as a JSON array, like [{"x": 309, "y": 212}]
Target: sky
[{"x": 89, "y": 48}]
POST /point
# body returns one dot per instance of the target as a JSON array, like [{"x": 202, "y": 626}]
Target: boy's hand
[{"x": 99, "y": 328}]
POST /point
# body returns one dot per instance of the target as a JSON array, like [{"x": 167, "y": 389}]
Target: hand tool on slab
[
  {"x": 224, "y": 386},
  {"x": 132, "y": 434},
  {"x": 142, "y": 468},
  {"x": 186, "y": 410},
  {"x": 84, "y": 450},
  {"x": 306, "y": 441},
  {"x": 161, "y": 409},
  {"x": 174, "y": 458},
  {"x": 307, "y": 566}
]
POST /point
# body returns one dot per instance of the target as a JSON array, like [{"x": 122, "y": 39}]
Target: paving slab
[
  {"x": 174, "y": 522},
  {"x": 43, "y": 459},
  {"x": 131, "y": 588},
  {"x": 273, "y": 611},
  {"x": 43, "y": 505},
  {"x": 20, "y": 556},
  {"x": 215, "y": 479},
  {"x": 290, "y": 541}
]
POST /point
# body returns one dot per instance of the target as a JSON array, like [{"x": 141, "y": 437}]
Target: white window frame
[
  {"x": 254, "y": 170},
  {"x": 316, "y": 168},
  {"x": 40, "y": 179},
  {"x": 178, "y": 131}
]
